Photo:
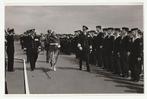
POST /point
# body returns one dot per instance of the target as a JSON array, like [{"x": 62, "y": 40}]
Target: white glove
[
  {"x": 139, "y": 59},
  {"x": 39, "y": 47},
  {"x": 24, "y": 49},
  {"x": 79, "y": 45},
  {"x": 128, "y": 53},
  {"x": 118, "y": 54},
  {"x": 59, "y": 46},
  {"x": 101, "y": 46},
  {"x": 90, "y": 47},
  {"x": 80, "y": 48},
  {"x": 112, "y": 52},
  {"x": 90, "y": 50}
]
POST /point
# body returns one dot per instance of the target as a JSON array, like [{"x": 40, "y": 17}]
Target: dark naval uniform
[
  {"x": 27, "y": 44},
  {"x": 109, "y": 47},
  {"x": 135, "y": 59},
  {"x": 125, "y": 45},
  {"x": 98, "y": 43},
  {"x": 105, "y": 51},
  {"x": 84, "y": 53},
  {"x": 33, "y": 50},
  {"x": 22, "y": 41},
  {"x": 116, "y": 55},
  {"x": 10, "y": 51}
]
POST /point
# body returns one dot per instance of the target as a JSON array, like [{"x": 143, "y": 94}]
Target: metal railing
[{"x": 25, "y": 76}]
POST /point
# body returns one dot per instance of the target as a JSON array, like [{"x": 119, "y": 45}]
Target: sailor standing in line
[
  {"x": 135, "y": 55},
  {"x": 99, "y": 46}
]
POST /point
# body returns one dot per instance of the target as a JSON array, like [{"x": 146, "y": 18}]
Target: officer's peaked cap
[
  {"x": 125, "y": 28},
  {"x": 105, "y": 29},
  {"x": 85, "y": 27},
  {"x": 98, "y": 26},
  {"x": 133, "y": 29},
  {"x": 11, "y": 30},
  {"x": 110, "y": 28},
  {"x": 117, "y": 29}
]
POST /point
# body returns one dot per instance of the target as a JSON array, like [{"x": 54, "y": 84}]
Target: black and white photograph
[{"x": 74, "y": 49}]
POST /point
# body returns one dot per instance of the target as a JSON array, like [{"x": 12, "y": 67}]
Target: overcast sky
[{"x": 67, "y": 19}]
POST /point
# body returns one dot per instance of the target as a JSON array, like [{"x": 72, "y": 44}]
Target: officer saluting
[
  {"x": 84, "y": 47},
  {"x": 10, "y": 49},
  {"x": 33, "y": 48}
]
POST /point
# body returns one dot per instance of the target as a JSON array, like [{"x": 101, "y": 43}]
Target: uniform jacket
[
  {"x": 33, "y": 43},
  {"x": 109, "y": 44},
  {"x": 117, "y": 45},
  {"x": 98, "y": 41},
  {"x": 136, "y": 48},
  {"x": 105, "y": 44},
  {"x": 125, "y": 44},
  {"x": 85, "y": 42},
  {"x": 10, "y": 43}
]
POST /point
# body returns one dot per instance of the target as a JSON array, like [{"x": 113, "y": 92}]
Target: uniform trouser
[
  {"x": 104, "y": 56},
  {"x": 52, "y": 56},
  {"x": 124, "y": 64},
  {"x": 47, "y": 55},
  {"x": 33, "y": 58},
  {"x": 10, "y": 60},
  {"x": 28, "y": 55},
  {"x": 135, "y": 67},
  {"x": 77, "y": 53},
  {"x": 116, "y": 65},
  {"x": 92, "y": 58},
  {"x": 109, "y": 61},
  {"x": 99, "y": 57},
  {"x": 83, "y": 55}
]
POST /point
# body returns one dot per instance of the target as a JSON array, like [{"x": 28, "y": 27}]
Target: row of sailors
[
  {"x": 67, "y": 44},
  {"x": 116, "y": 50}
]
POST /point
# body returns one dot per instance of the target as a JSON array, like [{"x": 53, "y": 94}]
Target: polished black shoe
[
  {"x": 88, "y": 70},
  {"x": 80, "y": 68},
  {"x": 32, "y": 69}
]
